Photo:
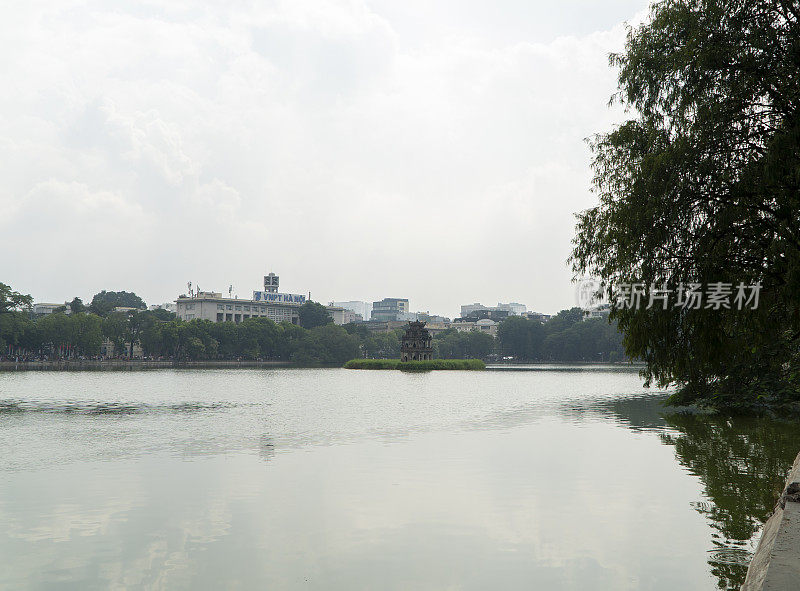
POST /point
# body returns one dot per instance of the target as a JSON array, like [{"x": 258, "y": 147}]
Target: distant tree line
[{"x": 566, "y": 337}]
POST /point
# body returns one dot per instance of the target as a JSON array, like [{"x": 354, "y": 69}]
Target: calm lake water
[{"x": 558, "y": 478}]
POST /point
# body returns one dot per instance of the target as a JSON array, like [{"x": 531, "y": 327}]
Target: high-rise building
[
  {"x": 389, "y": 309},
  {"x": 357, "y": 306},
  {"x": 343, "y": 316},
  {"x": 468, "y": 309},
  {"x": 513, "y": 309}
]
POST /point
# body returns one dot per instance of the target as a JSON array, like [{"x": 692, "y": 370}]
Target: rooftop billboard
[{"x": 279, "y": 298}]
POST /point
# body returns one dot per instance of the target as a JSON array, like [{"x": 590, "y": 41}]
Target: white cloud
[{"x": 337, "y": 143}]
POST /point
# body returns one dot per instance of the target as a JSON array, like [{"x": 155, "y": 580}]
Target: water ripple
[
  {"x": 89, "y": 407},
  {"x": 730, "y": 555}
]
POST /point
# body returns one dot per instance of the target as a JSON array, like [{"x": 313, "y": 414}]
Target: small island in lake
[
  {"x": 416, "y": 353},
  {"x": 415, "y": 365}
]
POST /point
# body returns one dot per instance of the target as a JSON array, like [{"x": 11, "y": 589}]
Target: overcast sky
[{"x": 360, "y": 150}]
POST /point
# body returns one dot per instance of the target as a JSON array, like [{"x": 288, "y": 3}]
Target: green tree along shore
[
  {"x": 565, "y": 338},
  {"x": 702, "y": 185}
]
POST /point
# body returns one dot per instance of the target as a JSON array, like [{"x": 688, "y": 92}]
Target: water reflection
[
  {"x": 329, "y": 479},
  {"x": 266, "y": 448},
  {"x": 741, "y": 461}
]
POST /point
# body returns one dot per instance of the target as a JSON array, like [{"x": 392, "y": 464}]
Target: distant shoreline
[
  {"x": 419, "y": 365},
  {"x": 523, "y": 364},
  {"x": 138, "y": 364},
  {"x": 123, "y": 364}
]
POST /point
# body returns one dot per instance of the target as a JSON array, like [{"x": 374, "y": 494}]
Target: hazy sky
[{"x": 361, "y": 149}]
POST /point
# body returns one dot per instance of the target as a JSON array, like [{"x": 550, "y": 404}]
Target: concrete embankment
[
  {"x": 122, "y": 364},
  {"x": 776, "y": 563}
]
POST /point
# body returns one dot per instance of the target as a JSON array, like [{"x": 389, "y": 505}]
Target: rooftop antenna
[{"x": 189, "y": 285}]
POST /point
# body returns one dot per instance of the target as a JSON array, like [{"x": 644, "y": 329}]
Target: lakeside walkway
[{"x": 776, "y": 562}]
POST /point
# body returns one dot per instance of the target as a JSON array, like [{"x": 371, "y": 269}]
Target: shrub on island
[
  {"x": 470, "y": 364},
  {"x": 372, "y": 364}
]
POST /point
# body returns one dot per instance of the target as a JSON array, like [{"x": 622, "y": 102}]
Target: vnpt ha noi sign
[{"x": 279, "y": 298}]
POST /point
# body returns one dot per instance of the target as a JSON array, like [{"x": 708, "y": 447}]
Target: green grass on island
[{"x": 475, "y": 364}]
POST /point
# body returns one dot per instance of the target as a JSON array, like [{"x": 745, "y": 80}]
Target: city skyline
[
  {"x": 197, "y": 290},
  {"x": 364, "y": 149}
]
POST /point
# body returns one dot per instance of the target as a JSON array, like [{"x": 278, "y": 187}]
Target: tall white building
[
  {"x": 359, "y": 307},
  {"x": 343, "y": 316}
]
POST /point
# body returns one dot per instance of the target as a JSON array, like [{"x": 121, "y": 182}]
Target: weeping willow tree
[{"x": 702, "y": 184}]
